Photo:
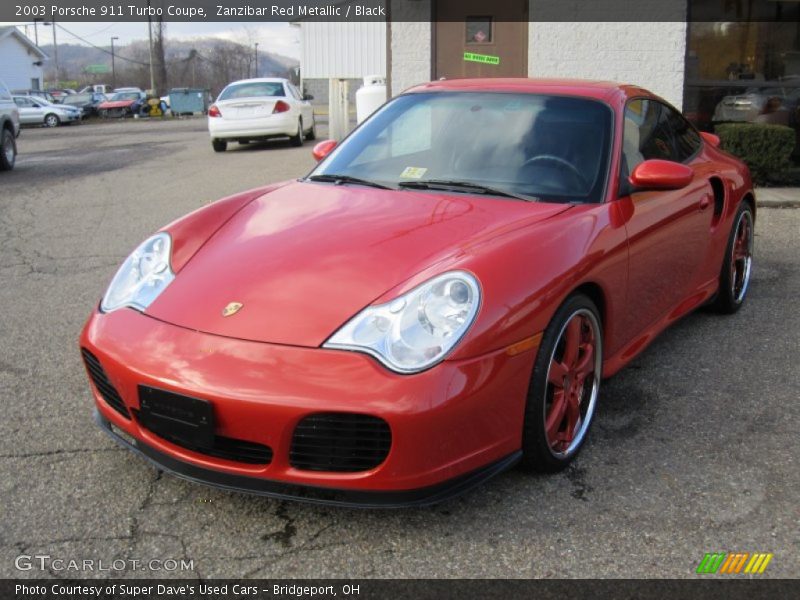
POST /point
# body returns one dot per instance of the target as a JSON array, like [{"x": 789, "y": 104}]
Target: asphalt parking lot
[{"x": 694, "y": 449}]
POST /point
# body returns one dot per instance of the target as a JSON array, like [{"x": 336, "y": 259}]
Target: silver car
[
  {"x": 9, "y": 129},
  {"x": 36, "y": 111}
]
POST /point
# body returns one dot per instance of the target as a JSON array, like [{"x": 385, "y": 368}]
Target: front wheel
[
  {"x": 219, "y": 145},
  {"x": 51, "y": 120},
  {"x": 564, "y": 387},
  {"x": 734, "y": 278},
  {"x": 8, "y": 150}
]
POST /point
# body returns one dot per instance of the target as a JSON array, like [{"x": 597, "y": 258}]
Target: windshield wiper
[
  {"x": 340, "y": 179},
  {"x": 462, "y": 186}
]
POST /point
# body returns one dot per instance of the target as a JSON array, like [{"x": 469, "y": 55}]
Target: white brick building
[{"x": 20, "y": 60}]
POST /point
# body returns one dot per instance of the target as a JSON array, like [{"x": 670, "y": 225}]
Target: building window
[
  {"x": 479, "y": 30},
  {"x": 743, "y": 66}
]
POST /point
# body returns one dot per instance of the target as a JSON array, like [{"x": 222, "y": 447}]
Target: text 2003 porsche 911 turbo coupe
[{"x": 438, "y": 300}]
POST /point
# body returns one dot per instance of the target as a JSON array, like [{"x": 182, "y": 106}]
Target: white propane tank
[{"x": 370, "y": 96}]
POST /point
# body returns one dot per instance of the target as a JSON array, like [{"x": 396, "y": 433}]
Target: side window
[
  {"x": 647, "y": 134},
  {"x": 687, "y": 140}
]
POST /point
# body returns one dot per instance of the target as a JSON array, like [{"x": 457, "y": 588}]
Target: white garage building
[
  {"x": 20, "y": 60},
  {"x": 697, "y": 54}
]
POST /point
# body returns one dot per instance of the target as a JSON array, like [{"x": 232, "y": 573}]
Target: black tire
[
  {"x": 219, "y": 145},
  {"x": 734, "y": 278},
  {"x": 311, "y": 134},
  {"x": 538, "y": 453},
  {"x": 297, "y": 139},
  {"x": 51, "y": 120},
  {"x": 8, "y": 149}
]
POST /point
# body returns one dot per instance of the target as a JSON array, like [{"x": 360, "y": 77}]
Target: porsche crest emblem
[{"x": 232, "y": 309}]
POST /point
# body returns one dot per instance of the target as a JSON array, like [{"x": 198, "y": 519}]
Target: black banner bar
[
  {"x": 22, "y": 11},
  {"x": 716, "y": 587}
]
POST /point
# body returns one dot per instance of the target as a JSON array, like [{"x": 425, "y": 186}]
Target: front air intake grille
[
  {"x": 341, "y": 442},
  {"x": 107, "y": 391}
]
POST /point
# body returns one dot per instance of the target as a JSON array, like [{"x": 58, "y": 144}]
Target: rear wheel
[
  {"x": 51, "y": 120},
  {"x": 311, "y": 134},
  {"x": 734, "y": 278},
  {"x": 564, "y": 387},
  {"x": 219, "y": 145},
  {"x": 297, "y": 139},
  {"x": 8, "y": 149}
]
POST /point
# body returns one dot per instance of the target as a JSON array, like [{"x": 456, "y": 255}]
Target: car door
[
  {"x": 29, "y": 112},
  {"x": 668, "y": 229}
]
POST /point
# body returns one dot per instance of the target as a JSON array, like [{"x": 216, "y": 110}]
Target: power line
[{"x": 96, "y": 47}]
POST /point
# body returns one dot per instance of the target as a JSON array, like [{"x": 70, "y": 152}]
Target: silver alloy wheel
[
  {"x": 742, "y": 256},
  {"x": 9, "y": 152},
  {"x": 51, "y": 121}
]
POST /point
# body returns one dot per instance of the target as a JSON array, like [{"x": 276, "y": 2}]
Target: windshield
[
  {"x": 253, "y": 89},
  {"x": 125, "y": 96},
  {"x": 552, "y": 148},
  {"x": 78, "y": 99}
]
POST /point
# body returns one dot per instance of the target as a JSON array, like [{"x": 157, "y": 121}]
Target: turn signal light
[
  {"x": 281, "y": 106},
  {"x": 214, "y": 111}
]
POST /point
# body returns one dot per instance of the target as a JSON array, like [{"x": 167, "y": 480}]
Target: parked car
[
  {"x": 128, "y": 89},
  {"x": 258, "y": 109},
  {"x": 438, "y": 300},
  {"x": 46, "y": 96},
  {"x": 89, "y": 103},
  {"x": 756, "y": 104},
  {"x": 122, "y": 104},
  {"x": 98, "y": 88},
  {"x": 59, "y": 94},
  {"x": 36, "y": 111},
  {"x": 9, "y": 129}
]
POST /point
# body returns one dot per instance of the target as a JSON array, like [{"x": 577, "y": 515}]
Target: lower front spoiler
[{"x": 311, "y": 494}]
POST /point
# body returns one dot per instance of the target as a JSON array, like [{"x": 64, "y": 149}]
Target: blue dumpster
[{"x": 187, "y": 101}]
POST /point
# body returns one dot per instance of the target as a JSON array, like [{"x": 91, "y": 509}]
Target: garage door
[{"x": 474, "y": 39}]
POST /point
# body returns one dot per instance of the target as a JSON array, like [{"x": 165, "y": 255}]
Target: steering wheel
[{"x": 559, "y": 161}]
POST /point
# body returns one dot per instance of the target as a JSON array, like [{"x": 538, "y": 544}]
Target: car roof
[
  {"x": 604, "y": 90},
  {"x": 260, "y": 80}
]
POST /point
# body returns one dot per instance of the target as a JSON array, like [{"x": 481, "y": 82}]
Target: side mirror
[
  {"x": 308, "y": 97},
  {"x": 710, "y": 139},
  {"x": 322, "y": 149},
  {"x": 656, "y": 174}
]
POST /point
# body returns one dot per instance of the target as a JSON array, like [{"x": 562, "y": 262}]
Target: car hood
[
  {"x": 305, "y": 258},
  {"x": 117, "y": 104}
]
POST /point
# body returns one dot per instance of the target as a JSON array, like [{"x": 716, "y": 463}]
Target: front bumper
[{"x": 452, "y": 426}]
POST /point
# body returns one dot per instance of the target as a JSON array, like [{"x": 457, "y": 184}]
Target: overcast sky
[{"x": 280, "y": 38}]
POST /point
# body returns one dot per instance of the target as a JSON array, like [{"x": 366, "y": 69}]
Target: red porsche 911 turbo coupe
[{"x": 439, "y": 299}]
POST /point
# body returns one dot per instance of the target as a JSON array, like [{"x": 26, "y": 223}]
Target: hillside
[{"x": 207, "y": 62}]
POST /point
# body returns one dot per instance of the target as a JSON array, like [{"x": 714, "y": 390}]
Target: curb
[{"x": 778, "y": 197}]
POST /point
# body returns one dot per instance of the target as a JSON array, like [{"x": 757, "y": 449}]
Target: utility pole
[
  {"x": 36, "y": 30},
  {"x": 255, "y": 70},
  {"x": 113, "y": 67},
  {"x": 55, "y": 49},
  {"x": 150, "y": 47}
]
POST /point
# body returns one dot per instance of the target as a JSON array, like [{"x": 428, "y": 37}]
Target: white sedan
[
  {"x": 37, "y": 111},
  {"x": 258, "y": 109}
]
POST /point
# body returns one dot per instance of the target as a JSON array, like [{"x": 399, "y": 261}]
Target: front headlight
[
  {"x": 418, "y": 329},
  {"x": 142, "y": 277}
]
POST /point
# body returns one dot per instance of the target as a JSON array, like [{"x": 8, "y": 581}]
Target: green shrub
[{"x": 766, "y": 149}]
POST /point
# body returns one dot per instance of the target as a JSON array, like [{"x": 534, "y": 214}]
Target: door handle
[{"x": 704, "y": 203}]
